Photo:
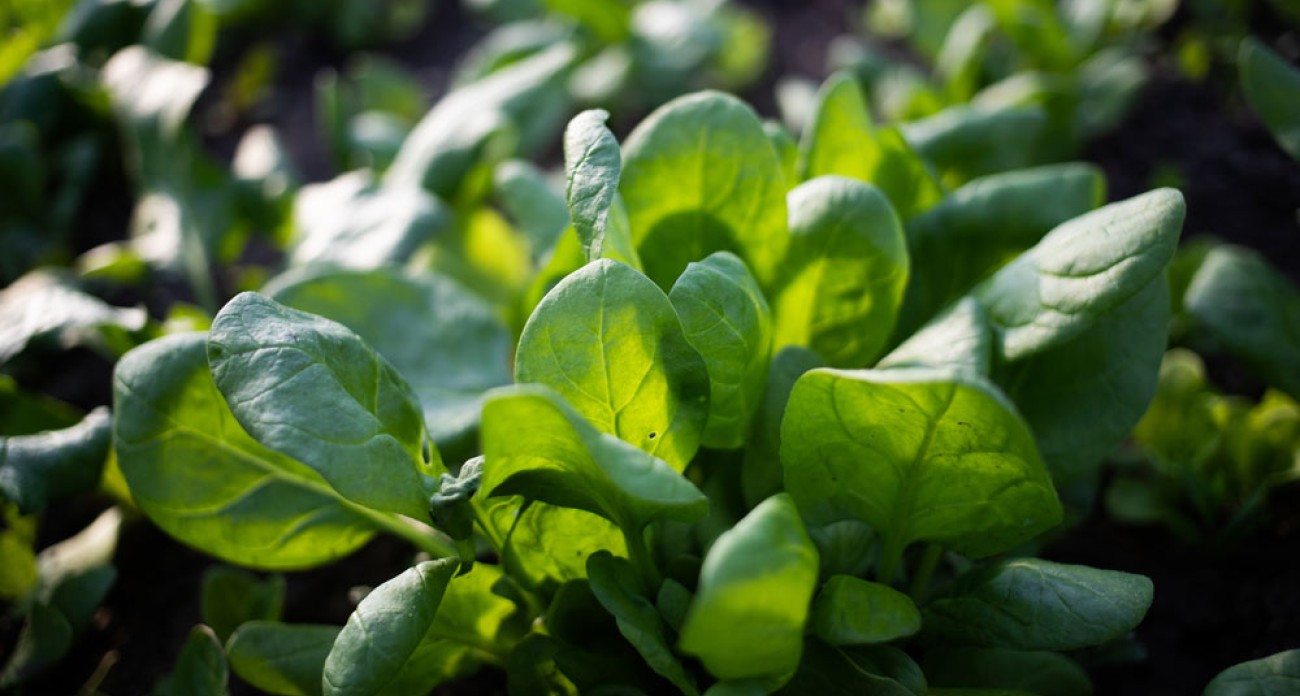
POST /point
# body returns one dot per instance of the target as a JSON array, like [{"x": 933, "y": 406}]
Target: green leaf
[
  {"x": 459, "y": 132},
  {"x": 537, "y": 446},
  {"x": 285, "y": 659},
  {"x": 533, "y": 205},
  {"x": 592, "y": 164},
  {"x": 1032, "y": 604},
  {"x": 747, "y": 620},
  {"x": 699, "y": 176},
  {"x": 200, "y": 670},
  {"x": 181, "y": 30},
  {"x": 964, "y": 141},
  {"x": 960, "y": 338},
  {"x": 618, "y": 588},
  {"x": 44, "y": 304},
  {"x": 918, "y": 455},
  {"x": 984, "y": 224},
  {"x": 354, "y": 222},
  {"x": 848, "y": 671},
  {"x": 609, "y": 342},
  {"x": 549, "y": 545},
  {"x": 384, "y": 632},
  {"x": 36, "y": 470},
  {"x": 1109, "y": 372},
  {"x": 195, "y": 472},
  {"x": 787, "y": 150},
  {"x": 230, "y": 597},
  {"x": 1252, "y": 309},
  {"x": 851, "y": 611},
  {"x": 726, "y": 319},
  {"x": 18, "y": 574},
  {"x": 1081, "y": 270},
  {"x": 312, "y": 389},
  {"x": 844, "y": 274},
  {"x": 446, "y": 342},
  {"x": 1272, "y": 88},
  {"x": 761, "y": 475},
  {"x": 1276, "y": 674},
  {"x": 1043, "y": 673},
  {"x": 841, "y": 140}
]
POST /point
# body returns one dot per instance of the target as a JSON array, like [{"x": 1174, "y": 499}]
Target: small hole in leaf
[{"x": 652, "y": 435}]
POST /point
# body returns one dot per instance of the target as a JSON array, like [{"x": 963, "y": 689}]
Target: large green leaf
[
  {"x": 1109, "y": 373},
  {"x": 726, "y": 319},
  {"x": 1272, "y": 88},
  {"x": 917, "y": 454},
  {"x": 1081, "y": 270},
  {"x": 537, "y": 446},
  {"x": 383, "y": 634},
  {"x": 699, "y": 176},
  {"x": 195, "y": 472},
  {"x": 1276, "y": 674},
  {"x": 1032, "y": 604},
  {"x": 355, "y": 222},
  {"x": 841, "y": 140},
  {"x": 1253, "y": 310},
  {"x": 310, "y": 388},
  {"x": 446, "y": 342},
  {"x": 286, "y": 659},
  {"x": 36, "y": 470},
  {"x": 965, "y": 141},
  {"x": 843, "y": 277},
  {"x": 617, "y": 587},
  {"x": 852, "y": 611},
  {"x": 611, "y": 344},
  {"x": 986, "y": 223},
  {"x": 458, "y": 133},
  {"x": 747, "y": 620}
]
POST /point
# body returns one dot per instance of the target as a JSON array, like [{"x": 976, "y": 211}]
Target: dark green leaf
[
  {"x": 1245, "y": 303},
  {"x": 618, "y": 588},
  {"x": 747, "y": 620},
  {"x": 230, "y": 597},
  {"x": 312, "y": 389},
  {"x": 1272, "y": 88},
  {"x": 699, "y": 176},
  {"x": 844, "y": 274},
  {"x": 609, "y": 342},
  {"x": 761, "y": 475},
  {"x": 1276, "y": 674},
  {"x": 851, "y": 611},
  {"x": 36, "y": 470},
  {"x": 726, "y": 319},
  {"x": 200, "y": 670},
  {"x": 1032, "y": 604},
  {"x": 1042, "y": 673},
  {"x": 874, "y": 669},
  {"x": 964, "y": 142},
  {"x": 285, "y": 659}
]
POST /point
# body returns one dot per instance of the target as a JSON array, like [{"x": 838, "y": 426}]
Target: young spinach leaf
[
  {"x": 852, "y": 611},
  {"x": 1272, "y": 87},
  {"x": 592, "y": 164},
  {"x": 286, "y": 659},
  {"x": 36, "y": 470}
]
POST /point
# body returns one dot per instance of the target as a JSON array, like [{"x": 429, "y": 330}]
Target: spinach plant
[{"x": 781, "y": 423}]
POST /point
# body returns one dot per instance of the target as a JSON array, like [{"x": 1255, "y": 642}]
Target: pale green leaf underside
[
  {"x": 699, "y": 176},
  {"x": 195, "y": 472},
  {"x": 747, "y": 619},
  {"x": 917, "y": 454},
  {"x": 726, "y": 319},
  {"x": 314, "y": 390},
  {"x": 537, "y": 446},
  {"x": 609, "y": 342}
]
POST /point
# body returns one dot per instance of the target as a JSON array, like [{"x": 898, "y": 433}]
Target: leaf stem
[
  {"x": 925, "y": 571},
  {"x": 422, "y": 536},
  {"x": 891, "y": 557},
  {"x": 639, "y": 554}
]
